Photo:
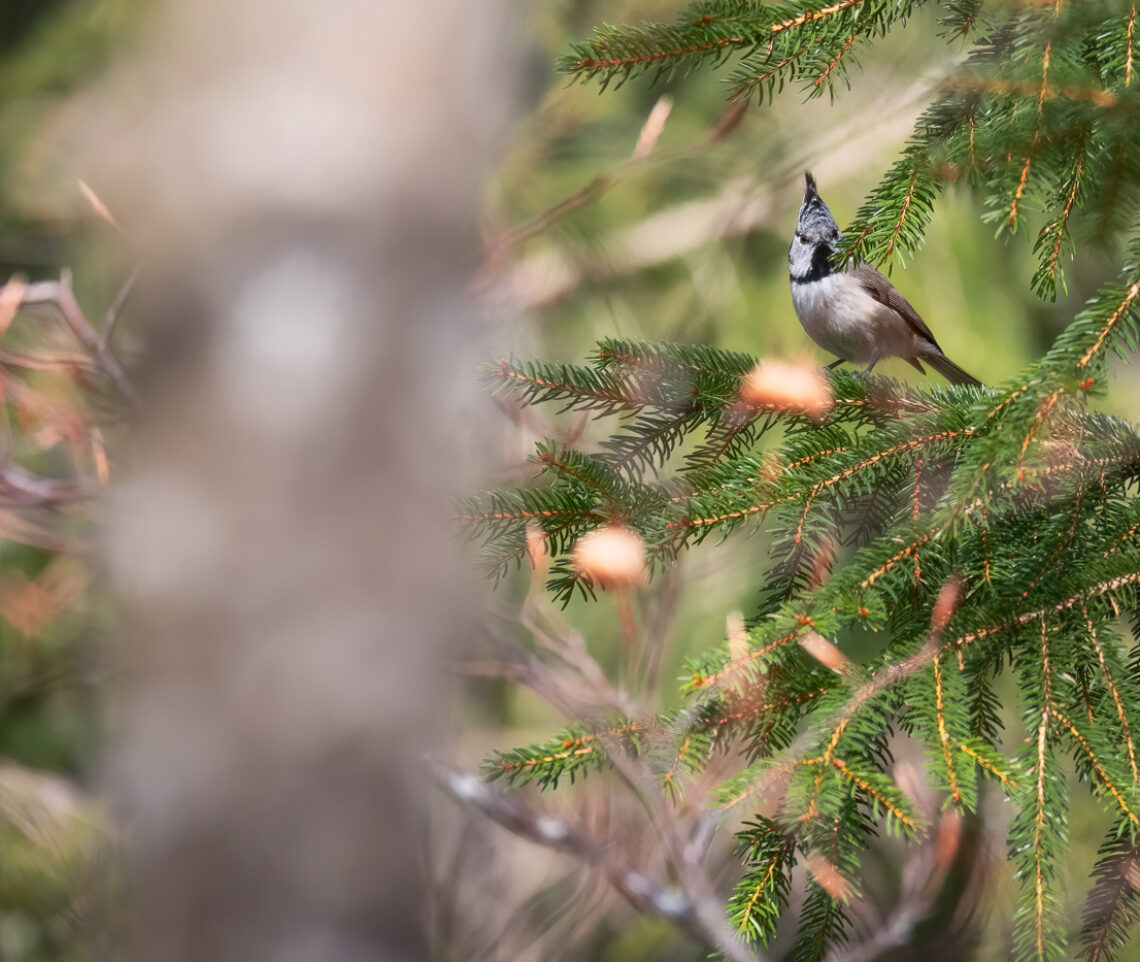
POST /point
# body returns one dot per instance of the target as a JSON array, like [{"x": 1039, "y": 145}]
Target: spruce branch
[
  {"x": 1114, "y": 690},
  {"x": 710, "y": 32},
  {"x": 986, "y": 535},
  {"x": 1038, "y": 830},
  {"x": 912, "y": 446},
  {"x": 1111, "y": 907},
  {"x": 1056, "y": 234}
]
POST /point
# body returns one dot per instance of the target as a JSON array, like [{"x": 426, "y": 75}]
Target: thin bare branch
[
  {"x": 116, "y": 307},
  {"x": 20, "y": 530},
  {"x": 646, "y": 895},
  {"x": 61, "y": 295},
  {"x": 21, "y": 488}
]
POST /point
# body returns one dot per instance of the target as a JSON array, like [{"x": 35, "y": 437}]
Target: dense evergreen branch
[{"x": 1111, "y": 909}]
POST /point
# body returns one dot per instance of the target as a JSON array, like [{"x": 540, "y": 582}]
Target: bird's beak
[{"x": 809, "y": 190}]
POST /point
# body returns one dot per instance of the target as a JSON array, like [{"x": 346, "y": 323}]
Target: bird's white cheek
[{"x": 799, "y": 257}]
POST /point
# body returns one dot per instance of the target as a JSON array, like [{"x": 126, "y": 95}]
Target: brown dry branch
[
  {"x": 646, "y": 141},
  {"x": 10, "y": 297},
  {"x": 72, "y": 364},
  {"x": 115, "y": 308},
  {"x": 17, "y": 529},
  {"x": 101, "y": 210},
  {"x": 570, "y": 679},
  {"x": 20, "y": 488},
  {"x": 45, "y": 420},
  {"x": 61, "y": 295},
  {"x": 561, "y": 670},
  {"x": 700, "y": 918}
]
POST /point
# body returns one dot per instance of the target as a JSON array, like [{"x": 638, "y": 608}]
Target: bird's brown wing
[{"x": 883, "y": 291}]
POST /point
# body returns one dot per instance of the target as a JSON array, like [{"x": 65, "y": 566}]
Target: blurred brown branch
[
  {"x": 21, "y": 488},
  {"x": 61, "y": 295},
  {"x": 694, "y": 913},
  {"x": 651, "y": 130},
  {"x": 115, "y": 309}
]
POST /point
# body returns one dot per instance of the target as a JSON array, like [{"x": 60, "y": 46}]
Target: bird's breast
[{"x": 841, "y": 317}]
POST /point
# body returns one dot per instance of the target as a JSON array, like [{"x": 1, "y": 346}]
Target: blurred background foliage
[
  {"x": 54, "y": 618},
  {"x": 688, "y": 243}
]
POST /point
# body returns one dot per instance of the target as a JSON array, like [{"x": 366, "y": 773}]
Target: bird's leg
[
  {"x": 834, "y": 364},
  {"x": 867, "y": 369}
]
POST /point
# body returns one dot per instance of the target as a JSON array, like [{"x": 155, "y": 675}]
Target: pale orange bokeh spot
[
  {"x": 788, "y": 387},
  {"x": 614, "y": 557}
]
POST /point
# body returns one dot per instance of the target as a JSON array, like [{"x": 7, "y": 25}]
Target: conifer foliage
[{"x": 983, "y": 532}]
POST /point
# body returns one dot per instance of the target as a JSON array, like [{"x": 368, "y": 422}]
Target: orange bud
[
  {"x": 99, "y": 455},
  {"x": 536, "y": 547},
  {"x": 828, "y": 878},
  {"x": 824, "y": 652},
  {"x": 949, "y": 837},
  {"x": 737, "y": 636},
  {"x": 96, "y": 204},
  {"x": 948, "y": 599},
  {"x": 788, "y": 387},
  {"x": 11, "y": 296},
  {"x": 911, "y": 781},
  {"x": 613, "y": 556},
  {"x": 651, "y": 129}
]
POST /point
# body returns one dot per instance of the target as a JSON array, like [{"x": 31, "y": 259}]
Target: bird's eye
[{"x": 801, "y": 238}]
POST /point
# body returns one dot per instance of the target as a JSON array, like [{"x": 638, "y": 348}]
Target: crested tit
[{"x": 856, "y": 312}]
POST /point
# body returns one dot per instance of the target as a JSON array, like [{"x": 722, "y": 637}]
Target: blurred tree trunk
[{"x": 304, "y": 181}]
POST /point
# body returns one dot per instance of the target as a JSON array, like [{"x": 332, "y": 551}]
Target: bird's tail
[{"x": 949, "y": 370}]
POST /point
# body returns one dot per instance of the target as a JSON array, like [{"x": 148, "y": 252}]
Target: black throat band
[{"x": 820, "y": 266}]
